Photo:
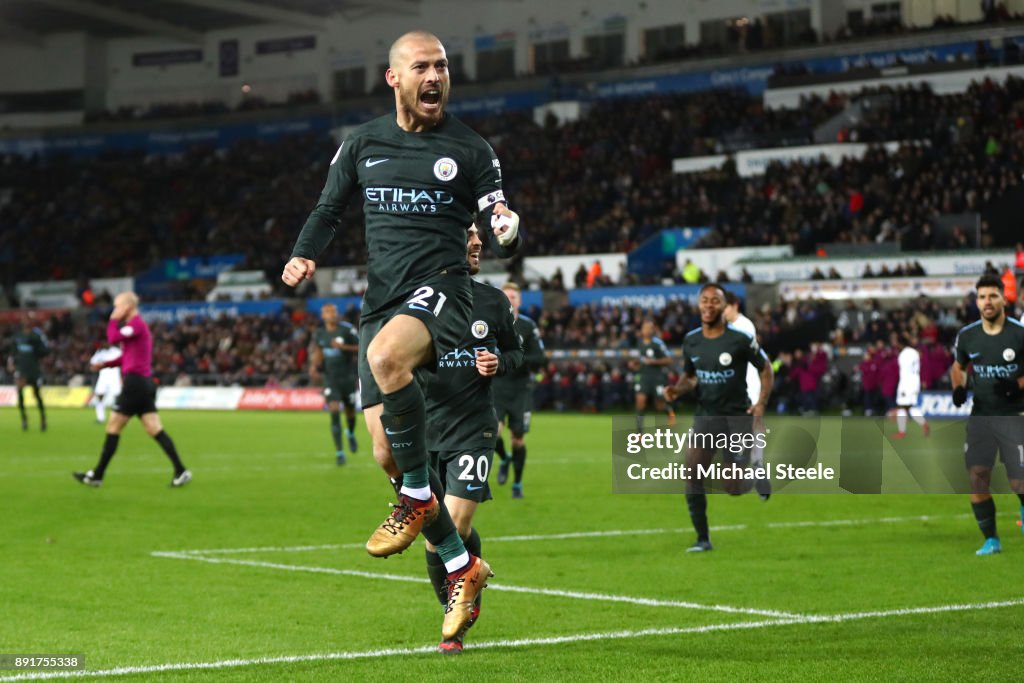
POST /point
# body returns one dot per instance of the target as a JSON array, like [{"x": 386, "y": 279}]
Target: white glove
[{"x": 511, "y": 223}]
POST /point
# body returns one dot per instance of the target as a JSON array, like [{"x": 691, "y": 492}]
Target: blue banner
[
  {"x": 527, "y": 99},
  {"x": 650, "y": 298},
  {"x": 165, "y": 141},
  {"x": 180, "y": 312},
  {"x": 530, "y": 298},
  {"x": 659, "y": 251},
  {"x": 199, "y": 267},
  {"x": 754, "y": 77}
]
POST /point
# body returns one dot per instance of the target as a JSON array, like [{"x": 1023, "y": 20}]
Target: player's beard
[
  {"x": 716, "y": 321},
  {"x": 412, "y": 104},
  {"x": 994, "y": 316}
]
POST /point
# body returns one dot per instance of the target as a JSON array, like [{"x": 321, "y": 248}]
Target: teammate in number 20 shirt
[
  {"x": 423, "y": 177},
  {"x": 993, "y": 349},
  {"x": 461, "y": 417}
]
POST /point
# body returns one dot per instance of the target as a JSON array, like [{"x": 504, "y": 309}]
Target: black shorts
[
  {"x": 339, "y": 389},
  {"x": 464, "y": 473},
  {"x": 137, "y": 397},
  {"x": 444, "y": 304},
  {"x": 986, "y": 435},
  {"x": 517, "y": 409},
  {"x": 735, "y": 430},
  {"x": 34, "y": 379},
  {"x": 650, "y": 387}
]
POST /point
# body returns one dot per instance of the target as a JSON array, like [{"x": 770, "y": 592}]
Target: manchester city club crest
[
  {"x": 479, "y": 329},
  {"x": 445, "y": 169},
  {"x": 1009, "y": 354},
  {"x": 725, "y": 359}
]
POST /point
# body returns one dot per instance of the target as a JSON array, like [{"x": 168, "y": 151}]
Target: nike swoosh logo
[
  {"x": 695, "y": 358},
  {"x": 470, "y": 487},
  {"x": 972, "y": 356},
  {"x": 391, "y": 432},
  {"x": 370, "y": 163}
]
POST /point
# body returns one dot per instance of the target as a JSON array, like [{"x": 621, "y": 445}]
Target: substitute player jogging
[
  {"x": 334, "y": 350},
  {"x": 990, "y": 352},
  {"x": 715, "y": 368},
  {"x": 513, "y": 394},
  {"x": 422, "y": 176},
  {"x": 138, "y": 395},
  {"x": 29, "y": 348},
  {"x": 461, "y": 423}
]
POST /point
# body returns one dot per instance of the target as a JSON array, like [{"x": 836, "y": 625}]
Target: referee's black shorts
[{"x": 138, "y": 396}]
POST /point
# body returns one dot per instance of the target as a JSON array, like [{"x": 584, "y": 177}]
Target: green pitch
[{"x": 259, "y": 560}]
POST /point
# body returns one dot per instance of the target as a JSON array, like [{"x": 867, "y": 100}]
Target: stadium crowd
[{"x": 600, "y": 184}]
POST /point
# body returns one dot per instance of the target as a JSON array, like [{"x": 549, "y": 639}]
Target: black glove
[
  {"x": 1008, "y": 388},
  {"x": 959, "y": 396}
]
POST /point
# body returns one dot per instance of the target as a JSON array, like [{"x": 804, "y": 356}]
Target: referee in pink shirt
[{"x": 138, "y": 396}]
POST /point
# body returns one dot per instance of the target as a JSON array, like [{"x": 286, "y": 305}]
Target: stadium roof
[{"x": 185, "y": 20}]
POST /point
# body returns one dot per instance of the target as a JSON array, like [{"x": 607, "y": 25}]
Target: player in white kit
[
  {"x": 735, "y": 319},
  {"x": 108, "y": 384},
  {"x": 909, "y": 389}
]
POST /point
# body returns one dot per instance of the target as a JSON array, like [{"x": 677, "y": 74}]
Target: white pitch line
[
  {"x": 494, "y": 644},
  {"x": 495, "y": 539},
  {"x": 907, "y": 611},
  {"x": 391, "y": 652},
  {"x": 591, "y": 534},
  {"x": 554, "y": 592}
]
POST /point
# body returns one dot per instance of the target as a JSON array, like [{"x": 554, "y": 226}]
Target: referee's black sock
[
  {"x": 437, "y": 575},
  {"x": 519, "y": 462},
  {"x": 168, "y": 446},
  {"x": 985, "y": 513},
  {"x": 336, "y": 430},
  {"x": 697, "y": 504},
  {"x": 639, "y": 422},
  {"x": 21, "y": 404},
  {"x": 109, "y": 448},
  {"x": 499, "y": 448}
]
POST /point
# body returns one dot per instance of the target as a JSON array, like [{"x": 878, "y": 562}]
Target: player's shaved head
[
  {"x": 127, "y": 299},
  {"x": 398, "y": 48}
]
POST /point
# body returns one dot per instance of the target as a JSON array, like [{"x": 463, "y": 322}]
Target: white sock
[
  {"x": 918, "y": 416},
  {"x": 901, "y": 420},
  {"x": 457, "y": 563},
  {"x": 100, "y": 412},
  {"x": 418, "y": 494}
]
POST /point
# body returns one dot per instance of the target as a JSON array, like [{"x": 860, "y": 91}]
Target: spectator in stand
[
  {"x": 889, "y": 370},
  {"x": 870, "y": 381}
]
